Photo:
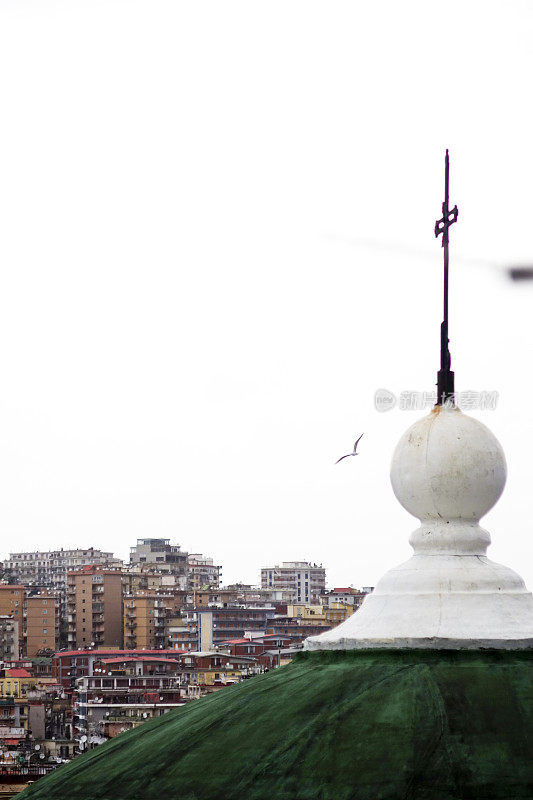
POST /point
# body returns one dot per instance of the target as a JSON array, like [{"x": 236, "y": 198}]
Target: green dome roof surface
[{"x": 333, "y": 725}]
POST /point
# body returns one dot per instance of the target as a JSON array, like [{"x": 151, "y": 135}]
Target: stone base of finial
[
  {"x": 320, "y": 643},
  {"x": 439, "y": 601}
]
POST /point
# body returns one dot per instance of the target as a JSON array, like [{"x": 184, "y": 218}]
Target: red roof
[
  {"x": 138, "y": 658},
  {"x": 347, "y": 590},
  {"x": 68, "y": 653},
  {"x": 17, "y": 673},
  {"x": 236, "y": 641},
  {"x": 255, "y": 640}
]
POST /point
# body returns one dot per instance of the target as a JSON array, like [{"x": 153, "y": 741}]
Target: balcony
[{"x": 123, "y": 720}]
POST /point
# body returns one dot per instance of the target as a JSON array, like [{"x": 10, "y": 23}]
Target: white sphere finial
[
  {"x": 448, "y": 466},
  {"x": 448, "y": 470}
]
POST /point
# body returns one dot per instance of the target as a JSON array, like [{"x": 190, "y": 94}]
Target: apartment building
[
  {"x": 208, "y": 626},
  {"x": 162, "y": 556},
  {"x": 147, "y": 615},
  {"x": 137, "y": 579},
  {"x": 144, "y": 621},
  {"x": 42, "y": 622},
  {"x": 12, "y": 598},
  {"x": 202, "y": 573},
  {"x": 304, "y": 581},
  {"x": 297, "y": 628},
  {"x": 346, "y": 595},
  {"x": 49, "y": 568},
  {"x": 120, "y": 698},
  {"x": 9, "y": 638},
  {"x": 69, "y": 665},
  {"x": 94, "y": 607}
]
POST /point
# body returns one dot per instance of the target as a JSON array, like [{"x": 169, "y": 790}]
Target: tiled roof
[
  {"x": 236, "y": 641},
  {"x": 67, "y": 653},
  {"x": 138, "y": 658}
]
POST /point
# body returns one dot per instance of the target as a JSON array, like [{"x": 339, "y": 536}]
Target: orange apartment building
[
  {"x": 94, "y": 608},
  {"x": 145, "y": 618},
  {"x": 42, "y": 622}
]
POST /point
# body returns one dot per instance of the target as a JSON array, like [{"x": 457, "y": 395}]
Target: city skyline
[
  {"x": 74, "y": 558},
  {"x": 212, "y": 252}
]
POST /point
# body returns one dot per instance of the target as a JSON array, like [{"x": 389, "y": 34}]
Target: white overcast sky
[{"x": 216, "y": 242}]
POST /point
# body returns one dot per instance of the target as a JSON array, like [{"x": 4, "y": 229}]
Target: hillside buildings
[
  {"x": 132, "y": 643},
  {"x": 164, "y": 598},
  {"x": 91, "y": 647},
  {"x": 190, "y": 570}
]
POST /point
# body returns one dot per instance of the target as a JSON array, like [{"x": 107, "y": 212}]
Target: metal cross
[{"x": 445, "y": 378}]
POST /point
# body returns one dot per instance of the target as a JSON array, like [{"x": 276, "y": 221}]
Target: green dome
[{"x": 334, "y": 725}]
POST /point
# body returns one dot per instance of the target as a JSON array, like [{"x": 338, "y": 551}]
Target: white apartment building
[
  {"x": 202, "y": 572},
  {"x": 48, "y": 568},
  {"x": 160, "y": 555},
  {"x": 304, "y": 581}
]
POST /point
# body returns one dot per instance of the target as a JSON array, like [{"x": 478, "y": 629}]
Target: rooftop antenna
[{"x": 445, "y": 377}]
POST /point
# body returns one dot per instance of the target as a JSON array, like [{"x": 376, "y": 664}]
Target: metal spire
[{"x": 445, "y": 377}]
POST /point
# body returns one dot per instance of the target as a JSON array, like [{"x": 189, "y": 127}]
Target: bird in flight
[{"x": 355, "y": 453}]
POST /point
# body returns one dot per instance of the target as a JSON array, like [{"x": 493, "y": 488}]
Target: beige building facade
[
  {"x": 144, "y": 621},
  {"x": 42, "y": 622},
  {"x": 94, "y": 608},
  {"x": 147, "y": 615}
]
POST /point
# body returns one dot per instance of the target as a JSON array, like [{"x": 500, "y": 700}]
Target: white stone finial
[{"x": 448, "y": 470}]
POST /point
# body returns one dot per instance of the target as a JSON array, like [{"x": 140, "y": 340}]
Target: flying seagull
[{"x": 355, "y": 453}]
